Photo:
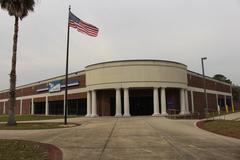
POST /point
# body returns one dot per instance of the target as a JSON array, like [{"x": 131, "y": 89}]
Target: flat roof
[{"x": 136, "y": 60}]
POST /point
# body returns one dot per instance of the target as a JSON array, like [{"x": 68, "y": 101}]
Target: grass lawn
[
  {"x": 3, "y": 118},
  {"x": 21, "y": 150},
  {"x": 223, "y": 127},
  {"x": 35, "y": 125}
]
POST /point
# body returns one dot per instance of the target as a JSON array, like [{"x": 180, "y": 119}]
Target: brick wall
[
  {"x": 26, "y": 107},
  {"x": 198, "y": 102},
  {"x": 4, "y": 95},
  {"x": 56, "y": 98},
  {"x": 189, "y": 101},
  {"x": 17, "y": 107},
  {"x": 32, "y": 90},
  {"x": 197, "y": 81},
  {"x": 41, "y": 99},
  {"x": 1, "y": 107},
  {"x": 77, "y": 96},
  {"x": 212, "y": 102}
]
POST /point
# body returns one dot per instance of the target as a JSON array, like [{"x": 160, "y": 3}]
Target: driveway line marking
[
  {"x": 178, "y": 150},
  {"x": 106, "y": 143}
]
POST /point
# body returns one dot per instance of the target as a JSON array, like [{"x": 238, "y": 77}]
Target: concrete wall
[{"x": 136, "y": 73}]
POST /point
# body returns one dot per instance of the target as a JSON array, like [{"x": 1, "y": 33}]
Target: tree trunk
[{"x": 12, "y": 92}]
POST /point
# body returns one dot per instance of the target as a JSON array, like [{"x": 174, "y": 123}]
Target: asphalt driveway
[{"x": 108, "y": 138}]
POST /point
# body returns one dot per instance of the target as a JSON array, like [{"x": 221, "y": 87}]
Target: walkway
[
  {"x": 109, "y": 138},
  {"x": 232, "y": 116}
]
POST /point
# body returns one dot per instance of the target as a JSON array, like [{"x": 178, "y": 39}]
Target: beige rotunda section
[{"x": 136, "y": 73}]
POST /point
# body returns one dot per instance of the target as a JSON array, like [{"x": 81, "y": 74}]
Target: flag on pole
[{"x": 82, "y": 26}]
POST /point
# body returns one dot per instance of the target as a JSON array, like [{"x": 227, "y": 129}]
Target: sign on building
[{"x": 55, "y": 86}]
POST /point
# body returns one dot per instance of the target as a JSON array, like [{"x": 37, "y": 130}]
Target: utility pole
[{"x": 204, "y": 86}]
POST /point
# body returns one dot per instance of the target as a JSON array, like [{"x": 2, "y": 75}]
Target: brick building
[{"x": 123, "y": 88}]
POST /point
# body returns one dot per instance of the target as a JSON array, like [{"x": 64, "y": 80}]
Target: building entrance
[
  {"x": 106, "y": 102},
  {"x": 141, "y": 102}
]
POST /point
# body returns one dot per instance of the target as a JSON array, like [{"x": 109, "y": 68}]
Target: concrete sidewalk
[
  {"x": 109, "y": 138},
  {"x": 231, "y": 116}
]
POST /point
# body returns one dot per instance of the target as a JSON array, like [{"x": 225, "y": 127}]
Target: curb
[
  {"x": 53, "y": 152},
  {"x": 216, "y": 134}
]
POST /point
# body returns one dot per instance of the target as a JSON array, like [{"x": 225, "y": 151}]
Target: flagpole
[{"x": 66, "y": 76}]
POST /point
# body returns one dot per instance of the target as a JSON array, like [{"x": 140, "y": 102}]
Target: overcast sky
[{"x": 176, "y": 30}]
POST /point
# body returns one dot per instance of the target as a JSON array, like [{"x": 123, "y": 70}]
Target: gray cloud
[{"x": 178, "y": 30}]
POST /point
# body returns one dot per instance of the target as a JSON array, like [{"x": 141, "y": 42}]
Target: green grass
[
  {"x": 223, "y": 127},
  {"x": 3, "y": 118},
  {"x": 21, "y": 150},
  {"x": 33, "y": 126}
]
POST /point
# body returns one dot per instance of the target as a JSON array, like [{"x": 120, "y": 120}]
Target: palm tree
[{"x": 18, "y": 9}]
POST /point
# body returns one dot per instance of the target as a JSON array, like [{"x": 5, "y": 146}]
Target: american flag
[{"x": 82, "y": 26}]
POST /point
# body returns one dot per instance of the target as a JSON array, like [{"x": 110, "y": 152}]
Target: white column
[
  {"x": 126, "y": 103},
  {"x": 182, "y": 101},
  {"x": 94, "y": 104},
  {"x": 192, "y": 101},
  {"x": 225, "y": 100},
  {"x": 89, "y": 113},
  {"x": 46, "y": 107},
  {"x": 186, "y": 102},
  {"x": 21, "y": 106},
  {"x": 32, "y": 107},
  {"x": 155, "y": 103},
  {"x": 4, "y": 107},
  {"x": 163, "y": 102},
  {"x": 218, "y": 107},
  {"x": 118, "y": 103}
]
